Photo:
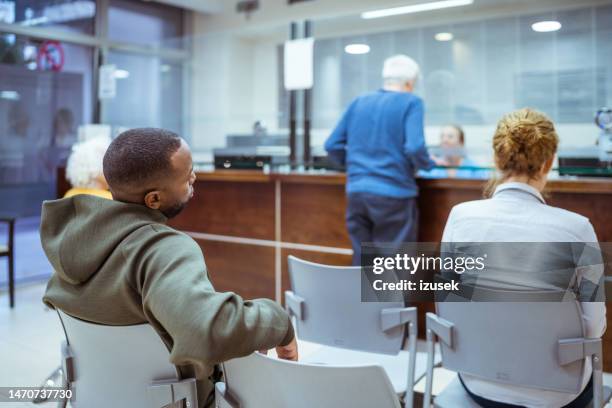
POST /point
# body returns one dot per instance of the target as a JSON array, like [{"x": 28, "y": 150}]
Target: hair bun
[{"x": 524, "y": 140}]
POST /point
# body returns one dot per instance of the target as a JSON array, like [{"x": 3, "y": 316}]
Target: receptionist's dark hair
[{"x": 137, "y": 156}]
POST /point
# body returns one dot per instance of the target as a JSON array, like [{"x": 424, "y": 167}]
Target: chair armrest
[
  {"x": 443, "y": 329},
  {"x": 294, "y": 304},
  {"x": 391, "y": 318},
  {"x": 222, "y": 397},
  {"x": 164, "y": 392},
  {"x": 571, "y": 350},
  {"x": 439, "y": 327}
]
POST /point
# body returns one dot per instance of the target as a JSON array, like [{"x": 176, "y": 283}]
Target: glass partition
[{"x": 475, "y": 67}]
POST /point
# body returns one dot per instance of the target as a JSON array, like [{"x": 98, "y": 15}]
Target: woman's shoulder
[
  {"x": 574, "y": 222},
  {"x": 571, "y": 225},
  {"x": 475, "y": 207}
]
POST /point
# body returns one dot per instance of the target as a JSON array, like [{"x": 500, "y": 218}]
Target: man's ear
[{"x": 153, "y": 200}]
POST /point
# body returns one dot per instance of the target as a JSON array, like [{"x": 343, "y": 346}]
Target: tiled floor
[
  {"x": 31, "y": 335},
  {"x": 30, "y": 339}
]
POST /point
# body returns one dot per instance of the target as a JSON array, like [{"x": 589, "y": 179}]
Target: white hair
[
  {"x": 400, "y": 69},
  {"x": 85, "y": 162}
]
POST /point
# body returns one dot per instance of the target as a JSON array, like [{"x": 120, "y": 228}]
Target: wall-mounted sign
[
  {"x": 298, "y": 64},
  {"x": 50, "y": 56},
  {"x": 7, "y": 12},
  {"x": 107, "y": 83}
]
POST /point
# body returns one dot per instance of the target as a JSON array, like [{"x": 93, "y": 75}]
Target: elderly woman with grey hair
[{"x": 84, "y": 168}]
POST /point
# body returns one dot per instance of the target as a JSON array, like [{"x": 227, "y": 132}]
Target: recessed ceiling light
[
  {"x": 443, "y": 36},
  {"x": 415, "y": 8},
  {"x": 357, "y": 49},
  {"x": 546, "y": 26},
  {"x": 10, "y": 95}
]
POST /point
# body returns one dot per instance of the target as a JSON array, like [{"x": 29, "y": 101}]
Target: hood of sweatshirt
[{"x": 79, "y": 233}]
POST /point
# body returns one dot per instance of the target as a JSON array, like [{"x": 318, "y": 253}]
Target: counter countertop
[{"x": 558, "y": 184}]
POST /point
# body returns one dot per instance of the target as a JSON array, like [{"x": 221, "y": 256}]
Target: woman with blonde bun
[{"x": 524, "y": 147}]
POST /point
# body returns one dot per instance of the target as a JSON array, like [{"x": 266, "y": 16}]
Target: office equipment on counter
[
  {"x": 603, "y": 119},
  {"x": 593, "y": 161},
  {"x": 252, "y": 152}
]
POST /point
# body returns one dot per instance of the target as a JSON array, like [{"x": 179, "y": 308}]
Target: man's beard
[{"x": 174, "y": 210}]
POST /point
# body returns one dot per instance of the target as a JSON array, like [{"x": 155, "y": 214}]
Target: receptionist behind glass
[{"x": 452, "y": 154}]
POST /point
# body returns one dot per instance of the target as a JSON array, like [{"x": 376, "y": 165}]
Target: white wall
[{"x": 222, "y": 89}]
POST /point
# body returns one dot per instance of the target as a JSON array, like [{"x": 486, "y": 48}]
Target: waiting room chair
[
  {"x": 326, "y": 303},
  {"x": 120, "y": 366},
  {"x": 8, "y": 251},
  {"x": 539, "y": 345},
  {"x": 259, "y": 381}
]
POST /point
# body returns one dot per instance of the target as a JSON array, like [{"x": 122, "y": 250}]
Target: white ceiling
[
  {"x": 332, "y": 17},
  {"x": 201, "y": 6}
]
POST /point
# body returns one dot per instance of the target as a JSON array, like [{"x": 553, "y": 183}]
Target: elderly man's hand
[
  {"x": 288, "y": 352},
  {"x": 440, "y": 161}
]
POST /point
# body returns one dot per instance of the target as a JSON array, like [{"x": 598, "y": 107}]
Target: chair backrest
[
  {"x": 333, "y": 313},
  {"x": 513, "y": 342},
  {"x": 260, "y": 381},
  {"x": 114, "y": 366}
]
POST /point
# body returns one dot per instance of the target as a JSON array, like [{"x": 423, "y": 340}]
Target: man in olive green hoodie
[{"x": 117, "y": 263}]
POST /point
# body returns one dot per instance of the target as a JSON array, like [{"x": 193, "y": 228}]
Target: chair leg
[{"x": 11, "y": 280}]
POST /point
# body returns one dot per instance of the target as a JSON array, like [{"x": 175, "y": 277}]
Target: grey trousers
[{"x": 375, "y": 218}]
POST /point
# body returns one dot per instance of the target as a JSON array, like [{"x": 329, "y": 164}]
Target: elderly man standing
[{"x": 380, "y": 140}]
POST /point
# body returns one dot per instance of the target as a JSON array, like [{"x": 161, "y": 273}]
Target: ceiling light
[
  {"x": 546, "y": 26},
  {"x": 357, "y": 49},
  {"x": 10, "y": 95},
  {"x": 121, "y": 73},
  {"x": 415, "y": 8},
  {"x": 443, "y": 36}
]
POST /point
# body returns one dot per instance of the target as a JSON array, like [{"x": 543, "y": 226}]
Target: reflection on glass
[
  {"x": 152, "y": 89},
  {"x": 65, "y": 15},
  {"x": 40, "y": 112}
]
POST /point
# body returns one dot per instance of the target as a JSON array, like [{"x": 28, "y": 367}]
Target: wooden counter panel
[
  {"x": 596, "y": 207},
  {"x": 247, "y": 270},
  {"x": 318, "y": 257},
  {"x": 253, "y": 176},
  {"x": 314, "y": 214},
  {"x": 230, "y": 208},
  {"x": 577, "y": 185},
  {"x": 338, "y": 179},
  {"x": 435, "y": 206}
]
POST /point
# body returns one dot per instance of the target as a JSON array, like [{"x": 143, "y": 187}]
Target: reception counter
[{"x": 248, "y": 222}]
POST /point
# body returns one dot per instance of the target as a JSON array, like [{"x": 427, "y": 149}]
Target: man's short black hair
[{"x": 137, "y": 156}]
